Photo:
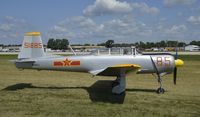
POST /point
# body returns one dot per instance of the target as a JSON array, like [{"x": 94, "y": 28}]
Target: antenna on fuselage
[
  {"x": 67, "y": 45},
  {"x": 72, "y": 49}
]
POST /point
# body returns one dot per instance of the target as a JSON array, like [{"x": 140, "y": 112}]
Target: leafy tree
[
  {"x": 148, "y": 45},
  {"x": 193, "y": 43},
  {"x": 158, "y": 45},
  {"x": 51, "y": 43},
  {"x": 58, "y": 44},
  {"x": 101, "y": 44},
  {"x": 109, "y": 43},
  {"x": 172, "y": 43},
  {"x": 142, "y": 45},
  {"x": 87, "y": 44},
  {"x": 64, "y": 44},
  {"x": 163, "y": 44},
  {"x": 181, "y": 44},
  {"x": 137, "y": 44}
]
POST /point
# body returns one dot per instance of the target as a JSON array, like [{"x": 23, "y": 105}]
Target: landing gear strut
[
  {"x": 119, "y": 85},
  {"x": 160, "y": 90}
]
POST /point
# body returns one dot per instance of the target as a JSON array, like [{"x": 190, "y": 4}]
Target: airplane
[{"x": 32, "y": 56}]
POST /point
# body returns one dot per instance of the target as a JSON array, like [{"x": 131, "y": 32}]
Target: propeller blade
[
  {"x": 175, "y": 69},
  {"x": 175, "y": 75},
  {"x": 176, "y": 56}
]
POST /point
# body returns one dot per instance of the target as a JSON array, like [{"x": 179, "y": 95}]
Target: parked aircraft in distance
[{"x": 32, "y": 56}]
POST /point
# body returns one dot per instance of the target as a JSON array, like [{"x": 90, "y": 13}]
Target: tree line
[
  {"x": 58, "y": 44},
  {"x": 145, "y": 45},
  {"x": 62, "y": 44}
]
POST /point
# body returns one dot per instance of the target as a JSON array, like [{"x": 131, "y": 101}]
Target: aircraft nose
[{"x": 179, "y": 63}]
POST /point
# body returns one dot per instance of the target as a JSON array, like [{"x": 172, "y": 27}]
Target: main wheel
[{"x": 160, "y": 90}]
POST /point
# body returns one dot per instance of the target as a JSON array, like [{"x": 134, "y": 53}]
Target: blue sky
[{"x": 95, "y": 21}]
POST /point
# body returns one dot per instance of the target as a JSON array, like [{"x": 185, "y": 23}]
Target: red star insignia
[{"x": 67, "y": 62}]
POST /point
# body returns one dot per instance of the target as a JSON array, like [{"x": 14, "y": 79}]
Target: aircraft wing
[{"x": 116, "y": 70}]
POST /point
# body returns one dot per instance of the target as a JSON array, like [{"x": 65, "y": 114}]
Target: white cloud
[
  {"x": 101, "y": 7},
  {"x": 104, "y": 7},
  {"x": 6, "y": 27},
  {"x": 178, "y": 2},
  {"x": 145, "y": 8},
  {"x": 194, "y": 19},
  {"x": 75, "y": 27},
  {"x": 11, "y": 28},
  {"x": 83, "y": 28},
  {"x": 177, "y": 29},
  {"x": 58, "y": 28},
  {"x": 128, "y": 28},
  {"x": 9, "y": 18}
]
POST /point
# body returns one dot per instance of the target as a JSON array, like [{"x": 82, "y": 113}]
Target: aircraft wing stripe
[
  {"x": 116, "y": 70},
  {"x": 126, "y": 65}
]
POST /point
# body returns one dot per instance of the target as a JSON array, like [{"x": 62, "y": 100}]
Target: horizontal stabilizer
[{"x": 25, "y": 61}]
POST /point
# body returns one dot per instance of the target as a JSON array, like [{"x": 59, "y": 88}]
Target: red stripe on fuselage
[
  {"x": 58, "y": 63},
  {"x": 75, "y": 63}
]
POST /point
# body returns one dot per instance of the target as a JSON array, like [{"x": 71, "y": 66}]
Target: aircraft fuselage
[{"x": 87, "y": 63}]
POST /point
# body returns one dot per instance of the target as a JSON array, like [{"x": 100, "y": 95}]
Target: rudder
[{"x": 32, "y": 46}]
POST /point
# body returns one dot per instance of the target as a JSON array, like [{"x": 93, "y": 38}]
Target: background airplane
[{"x": 32, "y": 56}]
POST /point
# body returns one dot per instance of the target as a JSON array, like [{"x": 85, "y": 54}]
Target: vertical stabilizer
[{"x": 32, "y": 46}]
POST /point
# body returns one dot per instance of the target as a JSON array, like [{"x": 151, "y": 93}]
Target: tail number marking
[{"x": 32, "y": 45}]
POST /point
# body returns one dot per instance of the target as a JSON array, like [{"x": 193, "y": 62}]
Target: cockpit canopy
[{"x": 116, "y": 51}]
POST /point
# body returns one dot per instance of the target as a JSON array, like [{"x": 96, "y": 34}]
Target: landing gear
[
  {"x": 115, "y": 82},
  {"x": 119, "y": 85},
  {"x": 160, "y": 90}
]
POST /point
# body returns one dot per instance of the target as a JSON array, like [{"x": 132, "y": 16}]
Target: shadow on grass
[
  {"x": 142, "y": 90},
  {"x": 100, "y": 91}
]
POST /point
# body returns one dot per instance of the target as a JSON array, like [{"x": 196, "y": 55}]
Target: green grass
[
  {"x": 30, "y": 93},
  {"x": 9, "y": 57},
  {"x": 190, "y": 57}
]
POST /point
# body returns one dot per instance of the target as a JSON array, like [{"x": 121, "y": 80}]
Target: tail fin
[{"x": 32, "y": 46}]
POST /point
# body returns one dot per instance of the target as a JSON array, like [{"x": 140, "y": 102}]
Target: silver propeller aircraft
[{"x": 32, "y": 56}]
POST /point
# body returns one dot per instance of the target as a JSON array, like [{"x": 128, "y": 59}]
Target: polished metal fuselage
[{"x": 87, "y": 63}]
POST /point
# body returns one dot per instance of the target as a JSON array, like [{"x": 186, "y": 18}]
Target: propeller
[
  {"x": 175, "y": 68},
  {"x": 178, "y": 63},
  {"x": 175, "y": 75}
]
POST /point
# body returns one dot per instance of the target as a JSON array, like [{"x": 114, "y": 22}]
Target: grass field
[{"x": 30, "y": 93}]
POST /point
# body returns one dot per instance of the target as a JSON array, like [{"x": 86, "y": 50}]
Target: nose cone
[{"x": 179, "y": 63}]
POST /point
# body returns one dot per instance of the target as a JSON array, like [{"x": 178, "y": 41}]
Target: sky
[{"x": 95, "y": 21}]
